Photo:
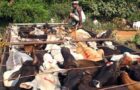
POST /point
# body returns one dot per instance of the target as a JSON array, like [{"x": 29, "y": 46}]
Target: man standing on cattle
[{"x": 77, "y": 15}]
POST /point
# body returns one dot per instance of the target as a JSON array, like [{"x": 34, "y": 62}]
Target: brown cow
[{"x": 127, "y": 80}]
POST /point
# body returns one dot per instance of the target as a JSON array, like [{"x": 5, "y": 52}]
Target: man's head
[{"x": 75, "y": 4}]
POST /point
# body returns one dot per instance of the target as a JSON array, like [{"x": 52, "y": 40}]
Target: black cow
[
  {"x": 69, "y": 60},
  {"x": 107, "y": 75},
  {"x": 25, "y": 34},
  {"x": 74, "y": 77},
  {"x": 108, "y": 51},
  {"x": 27, "y": 73},
  {"x": 28, "y": 70},
  {"x": 80, "y": 79},
  {"x": 133, "y": 71},
  {"x": 106, "y": 34}
]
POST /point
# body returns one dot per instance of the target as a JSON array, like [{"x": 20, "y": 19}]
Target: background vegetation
[{"x": 22, "y": 11}]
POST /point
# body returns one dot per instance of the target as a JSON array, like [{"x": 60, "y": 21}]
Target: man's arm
[
  {"x": 80, "y": 16},
  {"x": 68, "y": 18}
]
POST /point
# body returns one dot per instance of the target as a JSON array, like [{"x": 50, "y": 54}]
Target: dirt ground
[{"x": 125, "y": 35}]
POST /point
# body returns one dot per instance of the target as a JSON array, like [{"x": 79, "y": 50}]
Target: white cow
[
  {"x": 54, "y": 49},
  {"x": 136, "y": 25},
  {"x": 7, "y": 74},
  {"x": 109, "y": 44},
  {"x": 100, "y": 34},
  {"x": 93, "y": 45},
  {"x": 46, "y": 80},
  {"x": 37, "y": 31},
  {"x": 80, "y": 34},
  {"x": 16, "y": 58},
  {"x": 118, "y": 57}
]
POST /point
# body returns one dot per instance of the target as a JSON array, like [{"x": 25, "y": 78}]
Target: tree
[
  {"x": 110, "y": 8},
  {"x": 24, "y": 11}
]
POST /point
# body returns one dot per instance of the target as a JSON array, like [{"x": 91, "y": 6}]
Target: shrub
[
  {"x": 59, "y": 11},
  {"x": 136, "y": 39},
  {"x": 24, "y": 11},
  {"x": 135, "y": 17}
]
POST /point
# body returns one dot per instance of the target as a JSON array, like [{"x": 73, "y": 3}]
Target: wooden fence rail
[{"x": 49, "y": 42}]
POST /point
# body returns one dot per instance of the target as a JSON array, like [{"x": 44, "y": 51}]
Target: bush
[
  {"x": 134, "y": 17},
  {"x": 108, "y": 9},
  {"x": 59, "y": 11},
  {"x": 136, "y": 39},
  {"x": 101, "y": 26},
  {"x": 24, "y": 11}
]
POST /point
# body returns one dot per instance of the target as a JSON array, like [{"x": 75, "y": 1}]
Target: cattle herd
[{"x": 69, "y": 60}]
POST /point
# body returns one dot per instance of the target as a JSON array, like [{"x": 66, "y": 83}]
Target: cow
[
  {"x": 16, "y": 58},
  {"x": 133, "y": 71},
  {"x": 7, "y": 74},
  {"x": 77, "y": 75},
  {"x": 107, "y": 75},
  {"x": 126, "y": 58},
  {"x": 46, "y": 79},
  {"x": 81, "y": 77},
  {"x": 109, "y": 44},
  {"x": 89, "y": 53},
  {"x": 104, "y": 34},
  {"x": 80, "y": 34},
  {"x": 27, "y": 71},
  {"x": 136, "y": 25},
  {"x": 55, "y": 51},
  {"x": 127, "y": 80},
  {"x": 69, "y": 60}
]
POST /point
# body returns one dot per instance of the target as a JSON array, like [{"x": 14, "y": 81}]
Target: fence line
[
  {"x": 118, "y": 86},
  {"x": 93, "y": 67},
  {"x": 104, "y": 57},
  {"x": 58, "y": 49}
]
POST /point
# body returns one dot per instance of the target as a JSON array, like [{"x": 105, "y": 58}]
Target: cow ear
[{"x": 14, "y": 76}]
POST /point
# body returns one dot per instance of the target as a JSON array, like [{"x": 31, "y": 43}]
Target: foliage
[
  {"x": 101, "y": 26},
  {"x": 24, "y": 11},
  {"x": 134, "y": 17},
  {"x": 120, "y": 22},
  {"x": 110, "y": 8},
  {"x": 59, "y": 11},
  {"x": 43, "y": 10},
  {"x": 136, "y": 39}
]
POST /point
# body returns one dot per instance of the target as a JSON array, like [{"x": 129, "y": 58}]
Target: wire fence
[
  {"x": 59, "y": 70},
  {"x": 107, "y": 56},
  {"x": 65, "y": 46},
  {"x": 119, "y": 86},
  {"x": 93, "y": 67}
]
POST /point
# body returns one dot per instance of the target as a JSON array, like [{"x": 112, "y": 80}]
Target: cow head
[
  {"x": 49, "y": 63},
  {"x": 26, "y": 73},
  {"x": 69, "y": 60},
  {"x": 73, "y": 79},
  {"x": 106, "y": 75}
]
